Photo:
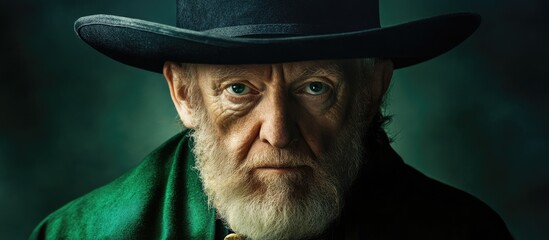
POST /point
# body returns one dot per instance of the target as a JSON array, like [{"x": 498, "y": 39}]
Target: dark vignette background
[{"x": 72, "y": 119}]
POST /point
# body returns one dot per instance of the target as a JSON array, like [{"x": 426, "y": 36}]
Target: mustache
[{"x": 278, "y": 158}]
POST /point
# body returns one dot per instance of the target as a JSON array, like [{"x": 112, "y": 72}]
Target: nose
[{"x": 279, "y": 128}]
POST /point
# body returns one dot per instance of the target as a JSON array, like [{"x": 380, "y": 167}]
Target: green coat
[{"x": 162, "y": 198}]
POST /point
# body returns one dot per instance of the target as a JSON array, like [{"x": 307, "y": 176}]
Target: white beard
[
  {"x": 293, "y": 205},
  {"x": 288, "y": 206}
]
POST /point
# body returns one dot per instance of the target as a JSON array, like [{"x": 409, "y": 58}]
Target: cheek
[
  {"x": 235, "y": 125},
  {"x": 239, "y": 136},
  {"x": 319, "y": 132}
]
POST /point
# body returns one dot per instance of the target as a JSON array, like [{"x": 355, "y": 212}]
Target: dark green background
[{"x": 72, "y": 119}]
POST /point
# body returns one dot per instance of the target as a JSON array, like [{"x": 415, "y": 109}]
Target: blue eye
[
  {"x": 316, "y": 88},
  {"x": 238, "y": 89}
]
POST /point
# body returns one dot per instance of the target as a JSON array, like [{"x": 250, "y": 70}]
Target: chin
[{"x": 272, "y": 211}]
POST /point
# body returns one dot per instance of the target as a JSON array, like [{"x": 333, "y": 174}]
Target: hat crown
[{"x": 277, "y": 17}]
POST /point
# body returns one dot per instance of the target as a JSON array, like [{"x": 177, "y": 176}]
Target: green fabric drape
[{"x": 160, "y": 198}]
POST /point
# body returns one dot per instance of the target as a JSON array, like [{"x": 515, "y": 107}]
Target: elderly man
[{"x": 283, "y": 138}]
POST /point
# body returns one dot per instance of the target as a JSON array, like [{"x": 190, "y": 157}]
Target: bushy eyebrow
[
  {"x": 229, "y": 71},
  {"x": 333, "y": 69}
]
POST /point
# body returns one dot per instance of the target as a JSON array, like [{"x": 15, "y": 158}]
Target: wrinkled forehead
[{"x": 290, "y": 70}]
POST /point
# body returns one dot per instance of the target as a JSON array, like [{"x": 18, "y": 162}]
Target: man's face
[{"x": 278, "y": 145}]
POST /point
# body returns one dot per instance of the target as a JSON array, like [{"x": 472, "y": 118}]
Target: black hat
[{"x": 271, "y": 31}]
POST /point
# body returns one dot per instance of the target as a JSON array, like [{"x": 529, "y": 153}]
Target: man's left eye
[
  {"x": 316, "y": 88},
  {"x": 238, "y": 89}
]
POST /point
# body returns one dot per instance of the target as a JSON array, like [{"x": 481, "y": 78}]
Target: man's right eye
[{"x": 238, "y": 89}]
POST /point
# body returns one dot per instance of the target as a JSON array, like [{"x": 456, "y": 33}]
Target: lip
[{"x": 281, "y": 169}]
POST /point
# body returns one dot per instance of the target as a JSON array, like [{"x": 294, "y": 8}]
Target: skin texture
[{"x": 278, "y": 144}]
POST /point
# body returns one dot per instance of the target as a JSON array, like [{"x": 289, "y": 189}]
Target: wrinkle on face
[
  {"x": 277, "y": 104},
  {"x": 222, "y": 110}
]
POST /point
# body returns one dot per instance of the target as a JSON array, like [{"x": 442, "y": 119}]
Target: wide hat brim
[{"x": 147, "y": 45}]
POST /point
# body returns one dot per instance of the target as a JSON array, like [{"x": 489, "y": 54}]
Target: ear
[
  {"x": 173, "y": 72},
  {"x": 383, "y": 72}
]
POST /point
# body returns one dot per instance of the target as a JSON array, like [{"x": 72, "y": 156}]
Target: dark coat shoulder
[{"x": 392, "y": 200}]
